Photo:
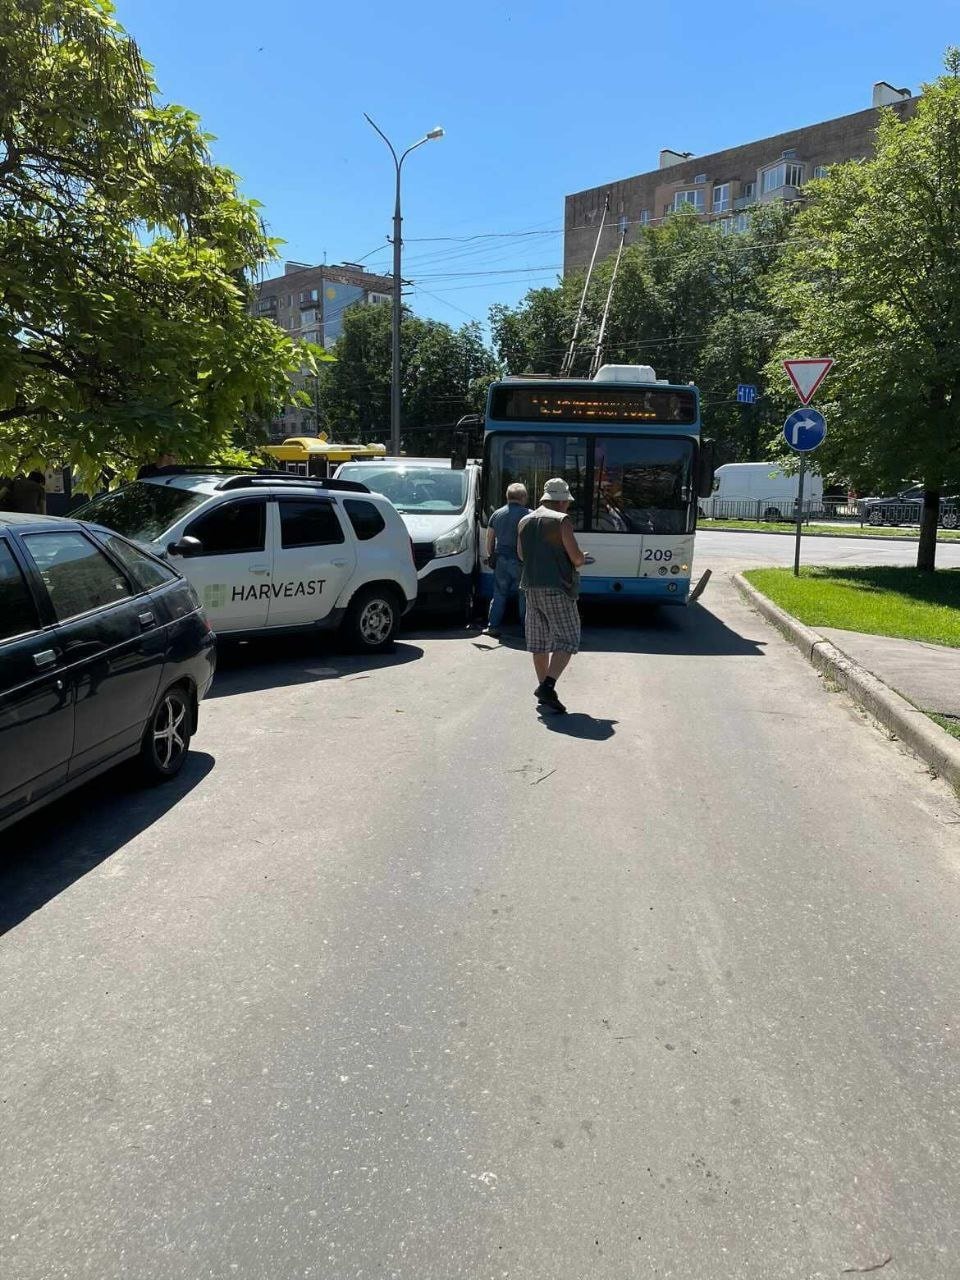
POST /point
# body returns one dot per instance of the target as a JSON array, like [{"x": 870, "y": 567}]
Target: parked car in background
[
  {"x": 906, "y": 507},
  {"x": 105, "y": 655},
  {"x": 440, "y": 506},
  {"x": 273, "y": 554}
]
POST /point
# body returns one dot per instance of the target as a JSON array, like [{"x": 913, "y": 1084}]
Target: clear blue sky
[{"x": 537, "y": 100}]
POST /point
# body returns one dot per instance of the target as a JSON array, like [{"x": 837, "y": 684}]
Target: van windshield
[
  {"x": 140, "y": 511},
  {"x": 427, "y": 491}
]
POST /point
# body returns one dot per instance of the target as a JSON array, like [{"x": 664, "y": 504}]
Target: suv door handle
[
  {"x": 262, "y": 569},
  {"x": 45, "y": 658},
  {"x": 340, "y": 564}
]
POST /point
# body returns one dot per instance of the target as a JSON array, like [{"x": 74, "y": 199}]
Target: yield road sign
[
  {"x": 805, "y": 430},
  {"x": 746, "y": 393},
  {"x": 806, "y": 375}
]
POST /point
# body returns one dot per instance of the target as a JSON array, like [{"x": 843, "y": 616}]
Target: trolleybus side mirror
[{"x": 706, "y": 468}]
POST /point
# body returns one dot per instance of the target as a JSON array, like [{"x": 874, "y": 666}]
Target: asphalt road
[
  {"x": 750, "y": 550},
  {"x": 402, "y": 980}
]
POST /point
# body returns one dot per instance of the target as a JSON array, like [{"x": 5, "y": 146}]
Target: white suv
[{"x": 270, "y": 553}]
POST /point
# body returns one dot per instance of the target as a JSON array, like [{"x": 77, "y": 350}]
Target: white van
[
  {"x": 440, "y": 506},
  {"x": 759, "y": 491}
]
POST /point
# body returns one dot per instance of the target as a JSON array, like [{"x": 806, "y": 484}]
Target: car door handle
[
  {"x": 45, "y": 658},
  {"x": 340, "y": 564},
  {"x": 146, "y": 618},
  {"x": 260, "y": 570}
]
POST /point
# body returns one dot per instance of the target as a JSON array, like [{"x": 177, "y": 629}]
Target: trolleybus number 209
[{"x": 657, "y": 554}]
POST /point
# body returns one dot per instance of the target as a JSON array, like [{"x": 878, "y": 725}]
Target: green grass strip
[{"x": 883, "y": 600}]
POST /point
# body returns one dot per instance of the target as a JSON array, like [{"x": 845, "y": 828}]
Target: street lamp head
[{"x": 436, "y": 132}]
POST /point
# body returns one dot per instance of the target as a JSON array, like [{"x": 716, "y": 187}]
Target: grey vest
[{"x": 546, "y": 564}]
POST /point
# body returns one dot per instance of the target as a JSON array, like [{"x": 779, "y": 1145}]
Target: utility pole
[{"x": 398, "y": 282}]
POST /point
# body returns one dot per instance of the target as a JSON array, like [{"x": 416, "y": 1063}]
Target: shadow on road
[
  {"x": 577, "y": 724},
  {"x": 625, "y": 628},
  {"x": 46, "y": 853},
  {"x": 693, "y": 630},
  {"x": 282, "y": 661}
]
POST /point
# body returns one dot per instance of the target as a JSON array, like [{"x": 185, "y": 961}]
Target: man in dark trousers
[
  {"x": 551, "y": 557},
  {"x": 501, "y": 549}
]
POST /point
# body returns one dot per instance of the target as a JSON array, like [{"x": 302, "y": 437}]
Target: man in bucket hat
[{"x": 551, "y": 557}]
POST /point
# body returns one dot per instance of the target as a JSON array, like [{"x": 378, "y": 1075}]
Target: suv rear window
[
  {"x": 140, "y": 510},
  {"x": 309, "y": 522},
  {"x": 366, "y": 519}
]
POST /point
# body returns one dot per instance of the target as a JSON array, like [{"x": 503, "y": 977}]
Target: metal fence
[{"x": 824, "y": 510}]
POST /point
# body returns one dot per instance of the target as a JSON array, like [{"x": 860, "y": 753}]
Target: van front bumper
[{"x": 446, "y": 588}]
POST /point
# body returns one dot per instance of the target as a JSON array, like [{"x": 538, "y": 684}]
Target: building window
[
  {"x": 721, "y": 197},
  {"x": 700, "y": 178},
  {"x": 378, "y": 297},
  {"x": 644, "y": 217},
  {"x": 784, "y": 174},
  {"x": 821, "y": 170},
  {"x": 309, "y": 296},
  {"x": 748, "y": 190},
  {"x": 265, "y": 305},
  {"x": 308, "y": 317},
  {"x": 741, "y": 222},
  {"x": 693, "y": 198}
]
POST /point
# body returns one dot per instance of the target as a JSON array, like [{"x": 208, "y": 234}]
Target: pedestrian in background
[
  {"x": 501, "y": 555},
  {"x": 551, "y": 556},
  {"x": 27, "y": 494}
]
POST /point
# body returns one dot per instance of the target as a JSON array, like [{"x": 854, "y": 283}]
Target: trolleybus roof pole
[
  {"x": 598, "y": 349},
  {"x": 568, "y": 358}
]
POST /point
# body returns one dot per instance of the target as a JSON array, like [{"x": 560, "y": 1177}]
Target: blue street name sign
[
  {"x": 805, "y": 430},
  {"x": 746, "y": 393}
]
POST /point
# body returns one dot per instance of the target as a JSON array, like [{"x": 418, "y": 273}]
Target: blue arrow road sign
[
  {"x": 746, "y": 393},
  {"x": 805, "y": 430}
]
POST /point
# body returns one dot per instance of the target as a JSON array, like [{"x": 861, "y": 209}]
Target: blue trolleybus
[{"x": 630, "y": 449}]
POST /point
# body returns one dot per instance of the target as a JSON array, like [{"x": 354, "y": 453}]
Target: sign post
[{"x": 804, "y": 431}]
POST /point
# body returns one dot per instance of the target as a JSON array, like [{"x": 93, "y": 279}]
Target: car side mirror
[{"x": 186, "y": 546}]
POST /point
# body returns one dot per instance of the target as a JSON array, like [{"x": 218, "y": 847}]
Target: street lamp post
[{"x": 397, "y": 310}]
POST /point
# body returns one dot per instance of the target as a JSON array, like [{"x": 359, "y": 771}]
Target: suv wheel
[
  {"x": 951, "y": 519},
  {"x": 875, "y": 517},
  {"x": 167, "y": 738},
  {"x": 372, "y": 620},
  {"x": 772, "y": 513}
]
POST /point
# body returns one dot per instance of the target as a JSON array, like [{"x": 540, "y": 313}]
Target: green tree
[
  {"x": 872, "y": 278},
  {"x": 441, "y": 370},
  {"x": 125, "y": 257}
]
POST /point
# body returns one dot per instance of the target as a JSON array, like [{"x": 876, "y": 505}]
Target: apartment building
[
  {"x": 721, "y": 186},
  {"x": 309, "y": 303}
]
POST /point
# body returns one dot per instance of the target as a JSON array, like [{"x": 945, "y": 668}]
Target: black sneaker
[{"x": 547, "y": 697}]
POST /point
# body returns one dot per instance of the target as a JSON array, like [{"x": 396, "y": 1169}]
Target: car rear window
[
  {"x": 146, "y": 571},
  {"x": 366, "y": 519},
  {"x": 18, "y": 612},
  {"x": 309, "y": 522},
  {"x": 141, "y": 511},
  {"x": 77, "y": 575}
]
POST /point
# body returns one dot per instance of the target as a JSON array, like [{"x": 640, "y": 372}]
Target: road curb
[{"x": 932, "y": 744}]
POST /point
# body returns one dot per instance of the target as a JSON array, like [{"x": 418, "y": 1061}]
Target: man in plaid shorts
[{"x": 551, "y": 557}]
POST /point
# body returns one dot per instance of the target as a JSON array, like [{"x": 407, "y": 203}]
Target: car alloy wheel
[
  {"x": 376, "y": 621},
  {"x": 167, "y": 739},
  {"x": 951, "y": 519}
]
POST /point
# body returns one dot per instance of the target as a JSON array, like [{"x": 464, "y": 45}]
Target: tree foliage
[
  {"x": 125, "y": 257},
  {"x": 441, "y": 371},
  {"x": 872, "y": 277}
]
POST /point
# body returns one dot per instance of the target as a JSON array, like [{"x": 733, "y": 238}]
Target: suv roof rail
[{"x": 249, "y": 480}]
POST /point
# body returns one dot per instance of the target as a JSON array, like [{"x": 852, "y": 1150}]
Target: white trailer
[{"x": 760, "y": 491}]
